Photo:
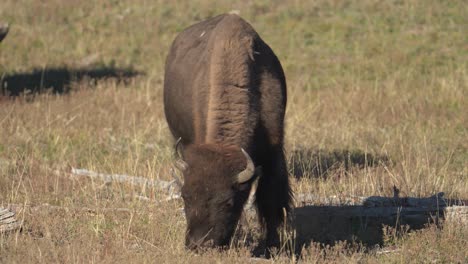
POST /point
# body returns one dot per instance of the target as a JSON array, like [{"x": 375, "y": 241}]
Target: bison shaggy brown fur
[{"x": 225, "y": 98}]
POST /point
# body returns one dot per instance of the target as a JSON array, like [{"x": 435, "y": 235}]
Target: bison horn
[
  {"x": 180, "y": 163},
  {"x": 176, "y": 149},
  {"x": 249, "y": 170}
]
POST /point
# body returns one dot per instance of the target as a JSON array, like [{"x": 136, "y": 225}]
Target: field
[{"x": 383, "y": 80}]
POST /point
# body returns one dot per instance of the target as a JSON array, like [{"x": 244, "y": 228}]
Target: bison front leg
[{"x": 274, "y": 196}]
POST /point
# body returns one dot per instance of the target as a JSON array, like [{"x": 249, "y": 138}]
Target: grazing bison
[{"x": 225, "y": 98}]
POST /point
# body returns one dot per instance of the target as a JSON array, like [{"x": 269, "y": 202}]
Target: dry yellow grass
[{"x": 384, "y": 78}]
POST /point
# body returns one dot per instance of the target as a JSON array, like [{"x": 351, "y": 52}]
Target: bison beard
[{"x": 225, "y": 97}]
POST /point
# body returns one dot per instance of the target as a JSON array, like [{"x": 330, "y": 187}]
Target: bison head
[{"x": 217, "y": 182}]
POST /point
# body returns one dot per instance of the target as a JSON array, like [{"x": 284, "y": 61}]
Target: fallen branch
[
  {"x": 170, "y": 187},
  {"x": 8, "y": 221}
]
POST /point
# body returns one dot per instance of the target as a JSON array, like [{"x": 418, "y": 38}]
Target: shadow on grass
[
  {"x": 319, "y": 163},
  {"x": 378, "y": 221},
  {"x": 59, "y": 80}
]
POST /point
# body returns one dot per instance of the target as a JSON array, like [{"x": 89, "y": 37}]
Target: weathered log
[
  {"x": 8, "y": 221},
  {"x": 170, "y": 187}
]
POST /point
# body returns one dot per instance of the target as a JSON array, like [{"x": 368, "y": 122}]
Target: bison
[{"x": 225, "y": 98}]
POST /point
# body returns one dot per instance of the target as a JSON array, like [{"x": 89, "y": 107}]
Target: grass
[{"x": 387, "y": 79}]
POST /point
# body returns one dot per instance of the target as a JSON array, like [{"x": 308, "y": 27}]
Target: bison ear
[{"x": 248, "y": 172}]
